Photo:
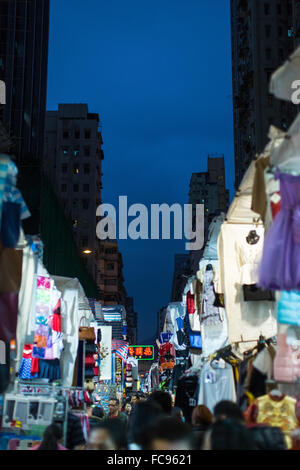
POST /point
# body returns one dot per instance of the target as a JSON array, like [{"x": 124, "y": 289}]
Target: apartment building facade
[{"x": 73, "y": 161}]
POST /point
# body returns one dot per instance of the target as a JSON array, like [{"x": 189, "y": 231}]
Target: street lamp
[{"x": 87, "y": 251}]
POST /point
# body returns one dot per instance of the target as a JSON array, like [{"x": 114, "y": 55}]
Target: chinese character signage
[{"x": 141, "y": 352}]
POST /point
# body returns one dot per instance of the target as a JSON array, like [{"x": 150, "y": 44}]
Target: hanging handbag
[
  {"x": 254, "y": 293},
  {"x": 86, "y": 333},
  {"x": 219, "y": 301}
]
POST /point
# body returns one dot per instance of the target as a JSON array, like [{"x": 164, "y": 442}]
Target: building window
[
  {"x": 85, "y": 203},
  {"x": 75, "y": 169},
  {"x": 65, "y": 150},
  {"x": 279, "y": 9},
  {"x": 75, "y": 223},
  {"x": 87, "y": 133},
  {"x": 267, "y": 8},
  {"x": 86, "y": 188},
  {"x": 65, "y": 134},
  {"x": 77, "y": 134},
  {"x": 64, "y": 168},
  {"x": 268, "y": 30},
  {"x": 63, "y": 188},
  {"x": 86, "y": 168},
  {"x": 85, "y": 223},
  {"x": 110, "y": 266},
  {"x": 86, "y": 151},
  {"x": 280, "y": 31},
  {"x": 75, "y": 188},
  {"x": 110, "y": 282},
  {"x": 268, "y": 53},
  {"x": 76, "y": 152},
  {"x": 111, "y": 251}
]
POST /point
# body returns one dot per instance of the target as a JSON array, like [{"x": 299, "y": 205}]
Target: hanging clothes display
[
  {"x": 280, "y": 411},
  {"x": 74, "y": 306},
  {"x": 239, "y": 263},
  {"x": 216, "y": 384},
  {"x": 288, "y": 308},
  {"x": 280, "y": 267},
  {"x": 287, "y": 359},
  {"x": 187, "y": 395},
  {"x": 176, "y": 313},
  {"x": 214, "y": 328}
]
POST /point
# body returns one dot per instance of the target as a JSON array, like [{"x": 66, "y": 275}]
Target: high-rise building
[
  {"x": 181, "y": 272},
  {"x": 24, "y": 34},
  {"x": 208, "y": 188},
  {"x": 296, "y": 22},
  {"x": 112, "y": 289},
  {"x": 263, "y": 35},
  {"x": 131, "y": 318},
  {"x": 73, "y": 161}
]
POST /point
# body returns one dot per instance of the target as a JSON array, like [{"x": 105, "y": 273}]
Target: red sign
[{"x": 141, "y": 352}]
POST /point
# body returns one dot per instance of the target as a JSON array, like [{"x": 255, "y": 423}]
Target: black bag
[
  {"x": 268, "y": 437},
  {"x": 219, "y": 301},
  {"x": 254, "y": 293}
]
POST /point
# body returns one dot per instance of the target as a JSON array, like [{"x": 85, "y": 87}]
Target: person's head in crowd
[
  {"x": 98, "y": 412},
  {"x": 228, "y": 409},
  {"x": 177, "y": 413},
  {"x": 144, "y": 416},
  {"x": 128, "y": 408},
  {"x": 52, "y": 437},
  {"x": 143, "y": 397},
  {"x": 228, "y": 434},
  {"x": 135, "y": 399},
  {"x": 113, "y": 407},
  {"x": 95, "y": 411},
  {"x": 118, "y": 431},
  {"x": 201, "y": 416},
  {"x": 163, "y": 399},
  {"x": 101, "y": 438},
  {"x": 169, "y": 433}
]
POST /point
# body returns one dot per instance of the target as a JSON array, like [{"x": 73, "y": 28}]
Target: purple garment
[{"x": 280, "y": 263}]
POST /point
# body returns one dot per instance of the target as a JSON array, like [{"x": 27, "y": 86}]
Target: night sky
[{"x": 159, "y": 74}]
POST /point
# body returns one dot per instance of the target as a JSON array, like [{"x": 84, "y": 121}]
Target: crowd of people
[{"x": 152, "y": 422}]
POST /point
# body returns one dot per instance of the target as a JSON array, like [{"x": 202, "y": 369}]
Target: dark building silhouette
[
  {"x": 263, "y": 35},
  {"x": 24, "y": 34}
]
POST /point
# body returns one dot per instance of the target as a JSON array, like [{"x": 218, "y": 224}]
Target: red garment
[
  {"x": 275, "y": 207},
  {"x": 56, "y": 322},
  {"x": 27, "y": 351},
  {"x": 89, "y": 360},
  {"x": 167, "y": 348},
  {"x": 190, "y": 303},
  {"x": 34, "y": 366}
]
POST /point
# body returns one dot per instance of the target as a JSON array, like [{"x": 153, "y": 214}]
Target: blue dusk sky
[{"x": 159, "y": 74}]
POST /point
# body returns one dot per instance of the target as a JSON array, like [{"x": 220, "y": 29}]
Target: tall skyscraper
[
  {"x": 131, "y": 319},
  {"x": 112, "y": 289},
  {"x": 73, "y": 161},
  {"x": 181, "y": 272},
  {"x": 24, "y": 33},
  {"x": 208, "y": 188},
  {"x": 263, "y": 35}
]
